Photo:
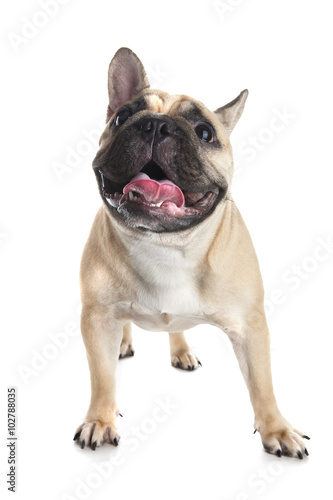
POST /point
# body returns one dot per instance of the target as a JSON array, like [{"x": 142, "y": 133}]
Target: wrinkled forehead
[
  {"x": 157, "y": 101},
  {"x": 161, "y": 102}
]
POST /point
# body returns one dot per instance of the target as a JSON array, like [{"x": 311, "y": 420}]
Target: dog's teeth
[{"x": 132, "y": 196}]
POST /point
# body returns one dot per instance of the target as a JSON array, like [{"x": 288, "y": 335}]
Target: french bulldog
[{"x": 169, "y": 250}]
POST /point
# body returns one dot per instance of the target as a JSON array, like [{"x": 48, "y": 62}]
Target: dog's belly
[
  {"x": 167, "y": 310},
  {"x": 167, "y": 322}
]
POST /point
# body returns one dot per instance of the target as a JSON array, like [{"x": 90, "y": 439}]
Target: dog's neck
[{"x": 195, "y": 241}]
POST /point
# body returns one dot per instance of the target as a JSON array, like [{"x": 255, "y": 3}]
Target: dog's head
[{"x": 165, "y": 161}]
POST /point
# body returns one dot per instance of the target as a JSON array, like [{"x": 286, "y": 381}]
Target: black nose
[{"x": 155, "y": 128}]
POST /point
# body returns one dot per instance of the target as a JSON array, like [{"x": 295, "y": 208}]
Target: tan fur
[{"x": 206, "y": 274}]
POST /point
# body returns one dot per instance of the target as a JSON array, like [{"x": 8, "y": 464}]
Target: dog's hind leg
[
  {"x": 126, "y": 348},
  {"x": 182, "y": 355}
]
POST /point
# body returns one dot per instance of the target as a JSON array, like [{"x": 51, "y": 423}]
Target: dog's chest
[{"x": 167, "y": 297}]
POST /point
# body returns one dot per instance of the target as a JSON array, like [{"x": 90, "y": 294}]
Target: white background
[{"x": 53, "y": 94}]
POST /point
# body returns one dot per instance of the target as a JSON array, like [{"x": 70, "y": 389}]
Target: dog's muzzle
[{"x": 149, "y": 198}]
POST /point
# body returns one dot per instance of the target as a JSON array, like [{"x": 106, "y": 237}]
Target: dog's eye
[
  {"x": 122, "y": 116},
  {"x": 204, "y": 132}
]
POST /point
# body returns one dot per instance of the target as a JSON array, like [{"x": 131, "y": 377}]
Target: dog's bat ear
[
  {"x": 231, "y": 112},
  {"x": 127, "y": 78}
]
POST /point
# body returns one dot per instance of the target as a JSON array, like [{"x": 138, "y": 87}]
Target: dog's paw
[
  {"x": 284, "y": 441},
  {"x": 126, "y": 350},
  {"x": 95, "y": 433},
  {"x": 185, "y": 359}
]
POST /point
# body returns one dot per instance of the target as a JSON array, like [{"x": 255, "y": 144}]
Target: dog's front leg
[
  {"x": 102, "y": 338},
  {"x": 252, "y": 348}
]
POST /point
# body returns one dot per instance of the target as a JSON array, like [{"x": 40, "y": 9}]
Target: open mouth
[{"x": 152, "y": 192}]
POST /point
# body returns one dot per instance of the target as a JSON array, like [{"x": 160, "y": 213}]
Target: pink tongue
[{"x": 155, "y": 192}]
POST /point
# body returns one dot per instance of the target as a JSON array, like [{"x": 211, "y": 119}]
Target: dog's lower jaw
[
  {"x": 135, "y": 211},
  {"x": 139, "y": 218}
]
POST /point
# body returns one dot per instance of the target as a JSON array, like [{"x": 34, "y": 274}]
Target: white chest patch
[{"x": 167, "y": 296}]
